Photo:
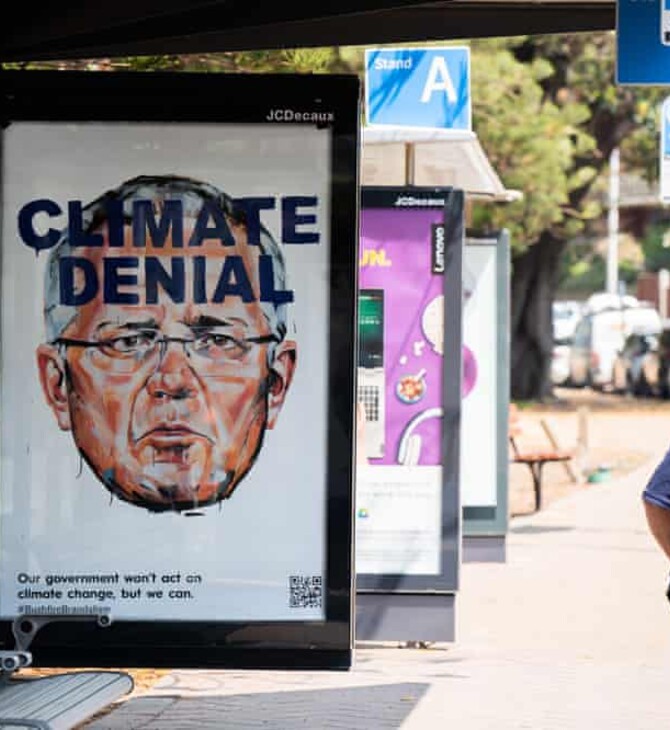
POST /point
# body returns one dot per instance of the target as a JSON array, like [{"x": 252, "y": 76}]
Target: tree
[
  {"x": 531, "y": 142},
  {"x": 559, "y": 88},
  {"x": 656, "y": 246}
]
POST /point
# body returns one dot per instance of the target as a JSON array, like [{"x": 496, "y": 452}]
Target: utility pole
[
  {"x": 663, "y": 286},
  {"x": 613, "y": 226}
]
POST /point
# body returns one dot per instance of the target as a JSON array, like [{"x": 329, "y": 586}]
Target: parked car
[
  {"x": 565, "y": 316},
  {"x": 600, "y": 335},
  {"x": 631, "y": 364},
  {"x": 560, "y": 362},
  {"x": 643, "y": 365}
]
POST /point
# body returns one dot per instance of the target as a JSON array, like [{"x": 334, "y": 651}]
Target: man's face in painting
[{"x": 168, "y": 402}]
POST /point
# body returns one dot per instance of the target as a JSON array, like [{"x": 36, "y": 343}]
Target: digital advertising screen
[
  {"x": 371, "y": 328},
  {"x": 173, "y": 423},
  {"x": 409, "y": 388}
]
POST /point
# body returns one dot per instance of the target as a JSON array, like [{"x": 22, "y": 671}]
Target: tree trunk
[{"x": 535, "y": 275}]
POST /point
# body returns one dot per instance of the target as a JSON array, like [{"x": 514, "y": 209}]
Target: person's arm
[{"x": 658, "y": 519}]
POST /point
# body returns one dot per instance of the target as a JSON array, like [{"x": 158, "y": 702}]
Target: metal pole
[
  {"x": 613, "y": 225},
  {"x": 663, "y": 286}
]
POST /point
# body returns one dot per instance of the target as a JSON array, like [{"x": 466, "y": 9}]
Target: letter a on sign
[{"x": 438, "y": 80}]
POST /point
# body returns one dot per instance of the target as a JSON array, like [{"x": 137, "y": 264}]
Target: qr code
[{"x": 305, "y": 591}]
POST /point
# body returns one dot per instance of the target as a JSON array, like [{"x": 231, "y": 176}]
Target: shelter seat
[{"x": 61, "y": 701}]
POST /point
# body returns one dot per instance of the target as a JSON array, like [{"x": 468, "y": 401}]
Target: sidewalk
[{"x": 573, "y": 632}]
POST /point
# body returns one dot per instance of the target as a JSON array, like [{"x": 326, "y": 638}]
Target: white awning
[{"x": 433, "y": 158}]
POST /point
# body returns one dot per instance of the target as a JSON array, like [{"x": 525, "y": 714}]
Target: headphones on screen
[{"x": 409, "y": 446}]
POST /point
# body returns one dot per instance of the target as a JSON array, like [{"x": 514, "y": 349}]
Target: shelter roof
[
  {"x": 84, "y": 29},
  {"x": 430, "y": 158}
]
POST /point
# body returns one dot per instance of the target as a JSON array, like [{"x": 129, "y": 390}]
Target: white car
[
  {"x": 600, "y": 336},
  {"x": 565, "y": 316},
  {"x": 560, "y": 363}
]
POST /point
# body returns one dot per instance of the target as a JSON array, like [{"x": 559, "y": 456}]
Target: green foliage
[
  {"x": 628, "y": 272},
  {"x": 582, "y": 270},
  {"x": 656, "y": 246},
  {"x": 583, "y": 266},
  {"x": 550, "y": 132},
  {"x": 531, "y": 141},
  {"x": 300, "y": 60}
]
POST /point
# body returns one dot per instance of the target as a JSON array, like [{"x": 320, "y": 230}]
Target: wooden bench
[{"x": 534, "y": 459}]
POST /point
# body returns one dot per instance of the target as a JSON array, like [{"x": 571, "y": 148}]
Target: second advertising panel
[{"x": 408, "y": 386}]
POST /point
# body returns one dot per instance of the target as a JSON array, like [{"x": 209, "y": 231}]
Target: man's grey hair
[{"x": 192, "y": 194}]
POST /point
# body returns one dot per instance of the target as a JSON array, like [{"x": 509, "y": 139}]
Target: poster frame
[
  {"x": 480, "y": 523},
  {"x": 71, "y": 96},
  {"x": 451, "y": 201}
]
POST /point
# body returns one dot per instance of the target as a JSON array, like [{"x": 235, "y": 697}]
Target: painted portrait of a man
[{"x": 170, "y": 374}]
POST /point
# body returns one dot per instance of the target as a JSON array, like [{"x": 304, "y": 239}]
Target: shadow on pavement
[
  {"x": 539, "y": 529},
  {"x": 350, "y": 708}
]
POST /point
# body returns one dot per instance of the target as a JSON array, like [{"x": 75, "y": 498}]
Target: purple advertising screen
[
  {"x": 409, "y": 387},
  {"x": 400, "y": 267}
]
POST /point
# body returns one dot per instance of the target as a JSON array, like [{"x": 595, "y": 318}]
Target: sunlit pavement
[{"x": 573, "y": 631}]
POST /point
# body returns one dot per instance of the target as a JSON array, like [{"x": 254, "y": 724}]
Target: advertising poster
[
  {"x": 408, "y": 385},
  {"x": 166, "y": 369},
  {"x": 478, "y": 426},
  {"x": 485, "y": 414}
]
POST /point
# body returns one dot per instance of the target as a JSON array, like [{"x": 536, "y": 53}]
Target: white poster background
[
  {"x": 478, "y": 409},
  {"x": 236, "y": 559},
  {"x": 398, "y": 519}
]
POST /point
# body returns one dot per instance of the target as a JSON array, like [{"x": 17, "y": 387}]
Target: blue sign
[
  {"x": 417, "y": 87},
  {"x": 643, "y": 42}
]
